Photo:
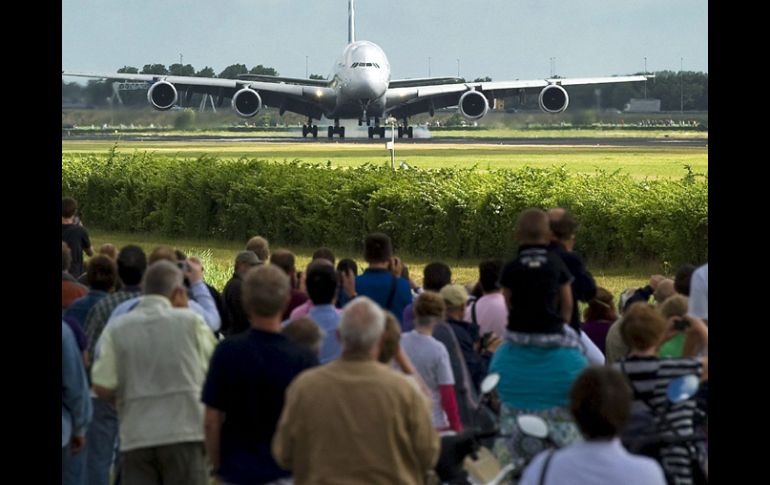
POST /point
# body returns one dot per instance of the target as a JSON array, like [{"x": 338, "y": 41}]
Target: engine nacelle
[
  {"x": 553, "y": 99},
  {"x": 473, "y": 105},
  {"x": 247, "y": 103},
  {"x": 162, "y": 95}
]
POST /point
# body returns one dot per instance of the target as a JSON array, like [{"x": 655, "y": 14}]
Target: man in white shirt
[
  {"x": 600, "y": 401},
  {"x": 698, "y": 306}
]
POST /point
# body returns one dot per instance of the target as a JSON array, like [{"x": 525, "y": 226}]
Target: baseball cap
[
  {"x": 247, "y": 257},
  {"x": 454, "y": 295}
]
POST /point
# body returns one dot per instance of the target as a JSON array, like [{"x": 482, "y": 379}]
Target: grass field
[
  {"x": 640, "y": 162},
  {"x": 218, "y": 256}
]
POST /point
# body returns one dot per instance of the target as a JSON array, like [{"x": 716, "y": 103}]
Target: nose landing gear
[{"x": 309, "y": 129}]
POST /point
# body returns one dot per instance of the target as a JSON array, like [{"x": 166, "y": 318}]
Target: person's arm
[
  {"x": 449, "y": 405},
  {"x": 75, "y": 395},
  {"x": 212, "y": 428},
  {"x": 507, "y": 296},
  {"x": 104, "y": 374},
  {"x": 85, "y": 243},
  {"x": 206, "y": 344},
  {"x": 584, "y": 285},
  {"x": 565, "y": 302},
  {"x": 696, "y": 337},
  {"x": 202, "y": 295}
]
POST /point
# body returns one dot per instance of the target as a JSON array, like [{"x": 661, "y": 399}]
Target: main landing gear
[
  {"x": 376, "y": 129},
  {"x": 336, "y": 129},
  {"x": 309, "y": 129},
  {"x": 405, "y": 129}
]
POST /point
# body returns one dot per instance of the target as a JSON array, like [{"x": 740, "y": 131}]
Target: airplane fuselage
[{"x": 361, "y": 77}]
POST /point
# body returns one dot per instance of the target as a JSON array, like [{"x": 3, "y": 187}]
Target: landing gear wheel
[
  {"x": 304, "y": 131},
  {"x": 315, "y": 131},
  {"x": 331, "y": 132},
  {"x": 410, "y": 132},
  {"x": 371, "y": 132},
  {"x": 342, "y": 132},
  {"x": 381, "y": 132},
  {"x": 400, "y": 131}
]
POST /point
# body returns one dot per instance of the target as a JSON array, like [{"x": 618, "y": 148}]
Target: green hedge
[{"x": 437, "y": 213}]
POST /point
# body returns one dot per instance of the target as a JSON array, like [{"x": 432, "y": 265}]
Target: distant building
[{"x": 642, "y": 106}]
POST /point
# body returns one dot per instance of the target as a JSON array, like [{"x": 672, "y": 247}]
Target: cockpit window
[
  {"x": 355, "y": 64},
  {"x": 376, "y": 65}
]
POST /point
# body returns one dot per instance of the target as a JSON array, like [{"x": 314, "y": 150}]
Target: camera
[{"x": 681, "y": 324}]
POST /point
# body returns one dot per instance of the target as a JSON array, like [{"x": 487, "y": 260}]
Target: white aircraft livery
[{"x": 360, "y": 89}]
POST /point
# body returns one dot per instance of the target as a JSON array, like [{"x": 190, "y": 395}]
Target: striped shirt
[
  {"x": 649, "y": 378},
  {"x": 98, "y": 315}
]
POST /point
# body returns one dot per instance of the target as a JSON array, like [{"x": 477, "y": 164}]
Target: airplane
[{"x": 360, "y": 88}]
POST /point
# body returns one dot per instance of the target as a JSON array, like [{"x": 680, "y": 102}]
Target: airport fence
[{"x": 434, "y": 213}]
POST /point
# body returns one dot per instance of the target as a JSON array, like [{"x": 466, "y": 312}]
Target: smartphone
[{"x": 681, "y": 324}]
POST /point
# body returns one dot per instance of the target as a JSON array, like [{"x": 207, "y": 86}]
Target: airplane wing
[
  {"x": 304, "y": 99},
  {"x": 407, "y": 101}
]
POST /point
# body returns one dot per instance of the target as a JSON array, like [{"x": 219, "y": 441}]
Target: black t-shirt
[
  {"x": 247, "y": 379},
  {"x": 77, "y": 239},
  {"x": 534, "y": 279}
]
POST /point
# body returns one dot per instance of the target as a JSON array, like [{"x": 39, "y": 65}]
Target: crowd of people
[{"x": 327, "y": 374}]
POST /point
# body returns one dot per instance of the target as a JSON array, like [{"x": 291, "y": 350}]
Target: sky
[{"x": 503, "y": 39}]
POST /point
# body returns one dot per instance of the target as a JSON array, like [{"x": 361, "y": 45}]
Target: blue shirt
[
  {"x": 534, "y": 378},
  {"x": 327, "y": 318},
  {"x": 80, "y": 307},
  {"x": 75, "y": 399},
  {"x": 376, "y": 283}
]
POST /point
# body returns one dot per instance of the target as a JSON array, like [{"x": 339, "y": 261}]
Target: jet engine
[
  {"x": 162, "y": 95},
  {"x": 473, "y": 105},
  {"x": 247, "y": 103},
  {"x": 553, "y": 99}
]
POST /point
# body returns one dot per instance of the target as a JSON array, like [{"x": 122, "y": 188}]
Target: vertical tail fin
[{"x": 351, "y": 21}]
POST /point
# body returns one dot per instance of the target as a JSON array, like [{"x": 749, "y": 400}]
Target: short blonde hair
[
  {"x": 259, "y": 246},
  {"x": 643, "y": 326},
  {"x": 429, "y": 304},
  {"x": 673, "y": 306}
]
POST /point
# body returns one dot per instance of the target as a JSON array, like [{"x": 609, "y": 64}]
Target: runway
[{"x": 530, "y": 141}]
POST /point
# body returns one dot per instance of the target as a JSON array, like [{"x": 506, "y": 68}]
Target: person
[
  {"x": 324, "y": 253},
  {"x": 489, "y": 311},
  {"x": 698, "y": 305},
  {"x": 643, "y": 330},
  {"x": 355, "y": 420},
  {"x": 342, "y": 269},
  {"x": 476, "y": 357},
  {"x": 157, "y": 347},
  {"x": 682, "y": 279},
  {"x": 75, "y": 409},
  {"x": 435, "y": 276},
  {"x": 259, "y": 246},
  {"x": 103, "y": 432},
  {"x": 672, "y": 309},
  {"x": 599, "y": 315},
  {"x": 247, "y": 380},
  {"x": 660, "y": 287},
  {"x": 200, "y": 299},
  {"x": 381, "y": 281},
  {"x": 563, "y": 231},
  {"x": 75, "y": 235},
  {"x": 600, "y": 401},
  {"x": 320, "y": 256},
  {"x": 234, "y": 317},
  {"x": 321, "y": 282},
  {"x": 285, "y": 260},
  {"x": 105, "y": 249},
  {"x": 431, "y": 360},
  {"x": 71, "y": 290},
  {"x": 306, "y": 333},
  {"x": 536, "y": 284}
]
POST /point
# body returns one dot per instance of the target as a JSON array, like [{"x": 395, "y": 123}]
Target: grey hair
[
  {"x": 162, "y": 278},
  {"x": 361, "y": 325}
]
